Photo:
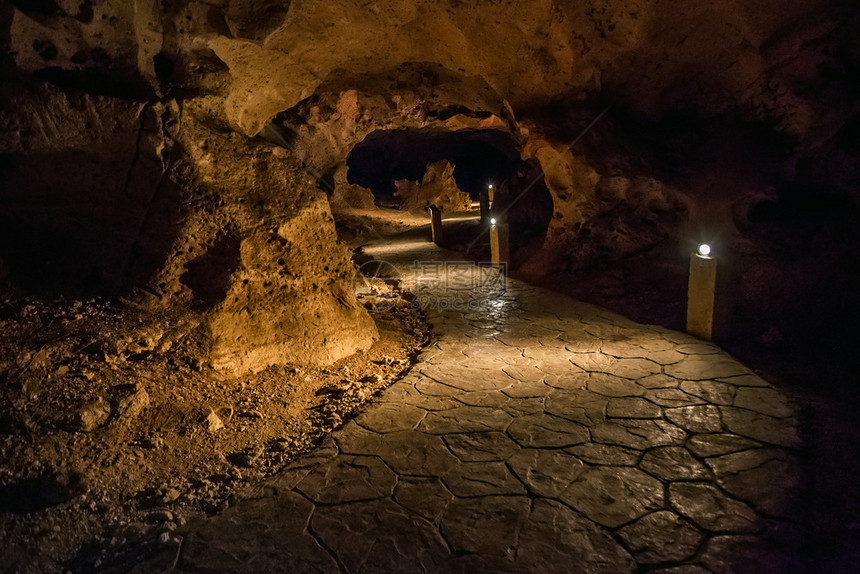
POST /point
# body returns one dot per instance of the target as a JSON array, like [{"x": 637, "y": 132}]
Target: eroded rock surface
[{"x": 436, "y": 188}]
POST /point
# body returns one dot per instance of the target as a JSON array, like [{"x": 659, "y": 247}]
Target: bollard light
[
  {"x": 500, "y": 251},
  {"x": 435, "y": 224},
  {"x": 701, "y": 293},
  {"x": 486, "y": 203}
]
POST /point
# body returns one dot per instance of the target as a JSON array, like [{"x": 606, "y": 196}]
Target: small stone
[
  {"x": 245, "y": 458},
  {"x": 170, "y": 495},
  {"x": 213, "y": 422},
  {"x": 128, "y": 401},
  {"x": 91, "y": 416},
  {"x": 153, "y": 443},
  {"x": 160, "y": 516},
  {"x": 164, "y": 537}
]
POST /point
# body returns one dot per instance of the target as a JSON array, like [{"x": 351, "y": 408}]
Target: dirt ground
[{"x": 113, "y": 429}]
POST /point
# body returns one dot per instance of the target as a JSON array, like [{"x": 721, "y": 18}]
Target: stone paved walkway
[{"x": 538, "y": 434}]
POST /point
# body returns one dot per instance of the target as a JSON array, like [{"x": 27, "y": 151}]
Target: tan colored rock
[
  {"x": 128, "y": 401},
  {"x": 436, "y": 188},
  {"x": 345, "y": 196},
  {"x": 213, "y": 422},
  {"x": 597, "y": 213},
  {"x": 91, "y": 416}
]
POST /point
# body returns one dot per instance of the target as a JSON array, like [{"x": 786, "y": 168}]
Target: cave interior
[{"x": 190, "y": 193}]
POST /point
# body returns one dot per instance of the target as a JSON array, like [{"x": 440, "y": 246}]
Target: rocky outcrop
[
  {"x": 266, "y": 259},
  {"x": 161, "y": 204},
  {"x": 599, "y": 214},
  {"x": 788, "y": 64},
  {"x": 436, "y": 188},
  {"x": 345, "y": 196}
]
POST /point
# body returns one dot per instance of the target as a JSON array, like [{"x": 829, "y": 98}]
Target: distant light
[
  {"x": 493, "y": 221},
  {"x": 491, "y": 186},
  {"x": 704, "y": 249}
]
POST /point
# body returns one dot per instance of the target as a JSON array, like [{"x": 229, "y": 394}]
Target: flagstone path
[{"x": 537, "y": 434}]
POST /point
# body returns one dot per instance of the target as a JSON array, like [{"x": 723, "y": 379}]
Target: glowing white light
[
  {"x": 704, "y": 249},
  {"x": 493, "y": 221},
  {"x": 491, "y": 186}
]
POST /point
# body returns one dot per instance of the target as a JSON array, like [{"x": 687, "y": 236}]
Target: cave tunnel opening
[{"x": 478, "y": 157}]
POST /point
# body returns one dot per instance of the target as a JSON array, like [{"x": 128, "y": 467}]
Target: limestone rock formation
[
  {"x": 345, "y": 196},
  {"x": 436, "y": 188},
  {"x": 600, "y": 214},
  {"x": 159, "y": 203},
  {"x": 286, "y": 284}
]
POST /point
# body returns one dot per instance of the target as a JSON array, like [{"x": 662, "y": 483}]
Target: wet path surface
[{"x": 537, "y": 434}]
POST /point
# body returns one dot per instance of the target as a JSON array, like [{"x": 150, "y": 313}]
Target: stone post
[
  {"x": 500, "y": 249},
  {"x": 435, "y": 224},
  {"x": 485, "y": 206},
  {"x": 700, "y": 294}
]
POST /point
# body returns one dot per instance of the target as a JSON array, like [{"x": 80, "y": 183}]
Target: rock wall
[
  {"x": 271, "y": 246},
  {"x": 345, "y": 196},
  {"x": 605, "y": 214},
  {"x": 163, "y": 205},
  {"x": 78, "y": 171},
  {"x": 789, "y": 63}
]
